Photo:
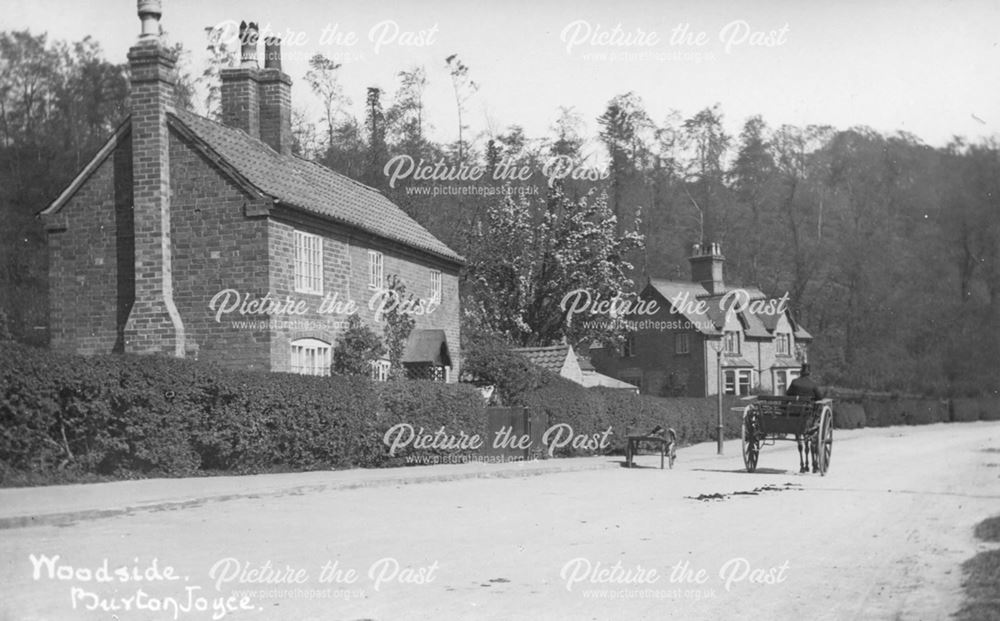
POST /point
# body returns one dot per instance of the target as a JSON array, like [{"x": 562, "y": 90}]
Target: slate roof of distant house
[
  {"x": 310, "y": 186},
  {"x": 760, "y": 325},
  {"x": 549, "y": 358}
]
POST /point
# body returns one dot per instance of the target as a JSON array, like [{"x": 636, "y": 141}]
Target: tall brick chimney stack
[
  {"x": 153, "y": 324},
  {"x": 275, "y": 100},
  {"x": 240, "y": 97},
  {"x": 706, "y": 267}
]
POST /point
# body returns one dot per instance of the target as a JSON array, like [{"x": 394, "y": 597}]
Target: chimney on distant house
[
  {"x": 706, "y": 267},
  {"x": 240, "y": 98},
  {"x": 153, "y": 324},
  {"x": 275, "y": 100}
]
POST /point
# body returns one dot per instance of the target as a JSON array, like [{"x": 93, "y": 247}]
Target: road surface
[{"x": 882, "y": 536}]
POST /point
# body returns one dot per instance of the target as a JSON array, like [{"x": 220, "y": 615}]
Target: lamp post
[
  {"x": 718, "y": 391},
  {"x": 718, "y": 372}
]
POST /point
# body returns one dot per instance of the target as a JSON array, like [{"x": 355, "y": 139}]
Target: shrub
[
  {"x": 356, "y": 348},
  {"x": 487, "y": 359}
]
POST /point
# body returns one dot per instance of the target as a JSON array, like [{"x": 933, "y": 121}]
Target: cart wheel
[
  {"x": 825, "y": 439},
  {"x": 751, "y": 444}
]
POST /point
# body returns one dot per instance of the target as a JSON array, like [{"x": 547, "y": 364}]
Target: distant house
[
  {"x": 678, "y": 350},
  {"x": 562, "y": 360},
  {"x": 194, "y": 238}
]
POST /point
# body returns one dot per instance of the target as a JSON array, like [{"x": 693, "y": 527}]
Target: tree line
[{"x": 888, "y": 248}]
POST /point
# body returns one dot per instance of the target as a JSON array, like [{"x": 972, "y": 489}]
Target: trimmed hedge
[
  {"x": 66, "y": 417},
  {"x": 848, "y": 415},
  {"x": 976, "y": 408},
  {"x": 126, "y": 416},
  {"x": 592, "y": 411}
]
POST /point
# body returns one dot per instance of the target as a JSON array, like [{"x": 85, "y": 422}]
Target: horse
[{"x": 808, "y": 446}]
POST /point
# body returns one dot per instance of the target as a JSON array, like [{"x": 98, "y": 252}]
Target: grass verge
[{"x": 982, "y": 578}]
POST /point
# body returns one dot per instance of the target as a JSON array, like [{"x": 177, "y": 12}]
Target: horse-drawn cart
[{"x": 767, "y": 419}]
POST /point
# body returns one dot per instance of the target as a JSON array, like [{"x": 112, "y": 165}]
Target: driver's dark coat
[{"x": 805, "y": 387}]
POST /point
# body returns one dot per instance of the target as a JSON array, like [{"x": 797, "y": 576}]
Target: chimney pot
[
  {"x": 272, "y": 53},
  {"x": 149, "y": 12},
  {"x": 248, "y": 44}
]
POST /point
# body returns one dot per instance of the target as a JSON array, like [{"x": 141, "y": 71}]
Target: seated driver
[{"x": 804, "y": 386}]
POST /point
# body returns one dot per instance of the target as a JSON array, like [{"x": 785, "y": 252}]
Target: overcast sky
[{"x": 928, "y": 67}]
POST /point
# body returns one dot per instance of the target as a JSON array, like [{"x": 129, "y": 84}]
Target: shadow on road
[
  {"x": 743, "y": 471},
  {"x": 636, "y": 466}
]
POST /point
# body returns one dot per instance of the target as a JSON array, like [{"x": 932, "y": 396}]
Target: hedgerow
[{"x": 125, "y": 416}]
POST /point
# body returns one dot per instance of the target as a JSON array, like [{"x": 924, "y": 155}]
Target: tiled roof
[
  {"x": 758, "y": 325},
  {"x": 670, "y": 289},
  {"x": 309, "y": 186},
  {"x": 549, "y": 358}
]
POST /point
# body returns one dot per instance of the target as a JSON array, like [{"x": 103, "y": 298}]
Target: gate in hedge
[{"x": 514, "y": 433}]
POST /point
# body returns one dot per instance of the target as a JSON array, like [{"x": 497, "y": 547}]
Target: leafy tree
[
  {"x": 707, "y": 142},
  {"x": 322, "y": 79},
  {"x": 375, "y": 125},
  {"x": 397, "y": 327},
  {"x": 529, "y": 256},
  {"x": 58, "y": 103},
  {"x": 184, "y": 85},
  {"x": 464, "y": 88},
  {"x": 220, "y": 55},
  {"x": 356, "y": 348},
  {"x": 568, "y": 131},
  {"x": 305, "y": 140},
  {"x": 626, "y": 131},
  {"x": 405, "y": 117}
]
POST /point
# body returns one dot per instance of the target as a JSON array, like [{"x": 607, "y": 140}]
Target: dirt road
[{"x": 880, "y": 537}]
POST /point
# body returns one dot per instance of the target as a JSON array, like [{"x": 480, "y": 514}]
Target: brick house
[
  {"x": 188, "y": 237},
  {"x": 679, "y": 349}
]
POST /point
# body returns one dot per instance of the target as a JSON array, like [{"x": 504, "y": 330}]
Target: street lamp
[{"x": 718, "y": 390}]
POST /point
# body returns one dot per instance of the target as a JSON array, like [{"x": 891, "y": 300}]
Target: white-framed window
[
  {"x": 682, "y": 343},
  {"x": 731, "y": 342},
  {"x": 311, "y": 357},
  {"x": 380, "y": 370},
  {"x": 783, "y": 379},
  {"x": 738, "y": 381},
  {"x": 375, "y": 280},
  {"x": 783, "y": 344},
  {"x": 308, "y": 263},
  {"x": 436, "y": 286}
]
